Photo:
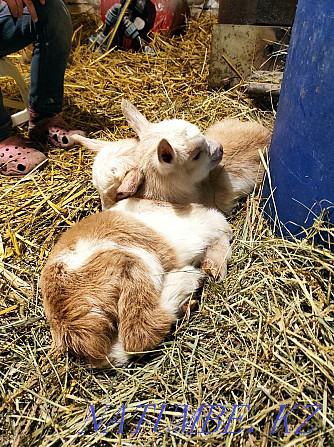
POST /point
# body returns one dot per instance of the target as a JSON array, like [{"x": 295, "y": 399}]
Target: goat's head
[{"x": 175, "y": 150}]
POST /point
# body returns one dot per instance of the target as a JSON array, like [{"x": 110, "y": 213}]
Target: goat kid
[
  {"x": 115, "y": 282},
  {"x": 174, "y": 161}
]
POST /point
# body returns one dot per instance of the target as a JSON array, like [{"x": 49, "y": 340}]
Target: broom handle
[{"x": 118, "y": 22}]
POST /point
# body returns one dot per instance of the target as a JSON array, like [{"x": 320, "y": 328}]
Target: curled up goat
[
  {"x": 168, "y": 159},
  {"x": 116, "y": 281}
]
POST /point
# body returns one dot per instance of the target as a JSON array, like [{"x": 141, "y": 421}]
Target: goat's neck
[{"x": 169, "y": 191}]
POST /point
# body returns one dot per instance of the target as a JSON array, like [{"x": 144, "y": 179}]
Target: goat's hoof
[
  {"x": 189, "y": 307},
  {"x": 210, "y": 267}
]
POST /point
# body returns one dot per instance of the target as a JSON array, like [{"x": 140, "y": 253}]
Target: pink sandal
[
  {"x": 18, "y": 159},
  {"x": 53, "y": 130}
]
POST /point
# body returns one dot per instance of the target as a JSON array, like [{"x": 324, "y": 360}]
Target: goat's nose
[
  {"x": 215, "y": 148},
  {"x": 219, "y": 149}
]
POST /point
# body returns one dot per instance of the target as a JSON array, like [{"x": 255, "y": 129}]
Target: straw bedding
[{"x": 263, "y": 337}]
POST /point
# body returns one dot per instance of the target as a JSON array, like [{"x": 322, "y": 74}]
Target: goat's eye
[{"x": 197, "y": 156}]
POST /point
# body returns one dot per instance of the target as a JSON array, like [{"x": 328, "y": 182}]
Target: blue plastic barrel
[{"x": 301, "y": 155}]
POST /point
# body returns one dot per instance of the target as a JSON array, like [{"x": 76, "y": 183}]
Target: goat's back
[{"x": 241, "y": 168}]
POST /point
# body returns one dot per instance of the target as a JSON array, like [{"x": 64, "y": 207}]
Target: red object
[{"x": 165, "y": 16}]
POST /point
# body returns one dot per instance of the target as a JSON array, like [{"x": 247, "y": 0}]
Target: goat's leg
[
  {"x": 117, "y": 356},
  {"x": 178, "y": 287},
  {"x": 218, "y": 256}
]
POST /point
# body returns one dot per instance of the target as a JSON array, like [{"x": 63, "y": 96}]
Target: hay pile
[{"x": 263, "y": 337}]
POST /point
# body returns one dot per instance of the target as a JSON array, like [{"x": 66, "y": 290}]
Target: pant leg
[
  {"x": 50, "y": 56},
  {"x": 5, "y": 121},
  {"x": 51, "y": 36}
]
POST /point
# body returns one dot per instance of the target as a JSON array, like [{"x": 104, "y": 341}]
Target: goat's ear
[
  {"x": 166, "y": 153},
  {"x": 135, "y": 119},
  {"x": 130, "y": 184},
  {"x": 93, "y": 145}
]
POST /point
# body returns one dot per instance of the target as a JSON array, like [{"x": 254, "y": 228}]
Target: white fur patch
[
  {"x": 241, "y": 186},
  {"x": 117, "y": 356},
  {"x": 189, "y": 234},
  {"x": 178, "y": 131},
  {"x": 86, "y": 248},
  {"x": 83, "y": 251}
]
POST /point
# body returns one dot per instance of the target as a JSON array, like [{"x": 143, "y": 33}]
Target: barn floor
[{"x": 263, "y": 337}]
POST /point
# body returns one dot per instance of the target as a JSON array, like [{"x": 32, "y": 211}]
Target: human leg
[
  {"x": 16, "y": 158},
  {"x": 51, "y": 36},
  {"x": 52, "y": 43}
]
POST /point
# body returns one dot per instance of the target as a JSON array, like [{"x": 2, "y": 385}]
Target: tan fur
[
  {"x": 130, "y": 184},
  {"x": 240, "y": 169}
]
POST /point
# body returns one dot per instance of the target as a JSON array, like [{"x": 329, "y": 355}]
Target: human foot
[{"x": 53, "y": 130}]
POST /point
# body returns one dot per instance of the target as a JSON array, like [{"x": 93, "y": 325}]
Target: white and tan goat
[{"x": 115, "y": 282}]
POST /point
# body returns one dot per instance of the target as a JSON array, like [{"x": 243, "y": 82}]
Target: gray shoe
[{"x": 149, "y": 50}]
